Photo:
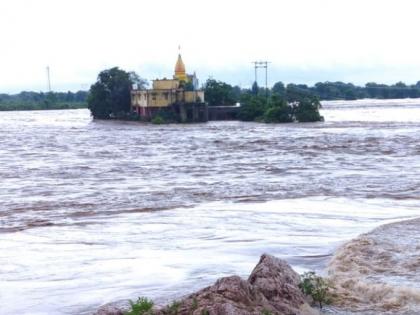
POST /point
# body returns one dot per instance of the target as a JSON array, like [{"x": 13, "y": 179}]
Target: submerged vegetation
[
  {"x": 277, "y": 105},
  {"x": 276, "y": 108}
]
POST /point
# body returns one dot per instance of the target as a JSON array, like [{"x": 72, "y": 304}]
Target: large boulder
[
  {"x": 272, "y": 288},
  {"x": 278, "y": 283}
]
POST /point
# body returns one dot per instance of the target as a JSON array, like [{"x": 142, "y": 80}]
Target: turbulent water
[
  {"x": 92, "y": 212},
  {"x": 378, "y": 272}
]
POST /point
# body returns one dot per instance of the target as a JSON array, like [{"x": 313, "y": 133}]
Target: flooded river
[{"x": 92, "y": 211}]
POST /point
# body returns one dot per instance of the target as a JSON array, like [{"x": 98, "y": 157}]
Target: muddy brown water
[{"x": 94, "y": 211}]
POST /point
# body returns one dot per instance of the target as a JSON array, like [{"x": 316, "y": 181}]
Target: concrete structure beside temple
[{"x": 178, "y": 98}]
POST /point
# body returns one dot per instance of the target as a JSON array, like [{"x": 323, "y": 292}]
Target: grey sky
[{"x": 305, "y": 40}]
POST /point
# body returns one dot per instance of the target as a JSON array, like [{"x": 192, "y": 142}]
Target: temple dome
[{"x": 179, "y": 67}]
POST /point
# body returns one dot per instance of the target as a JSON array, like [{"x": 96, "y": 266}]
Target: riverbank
[{"x": 272, "y": 288}]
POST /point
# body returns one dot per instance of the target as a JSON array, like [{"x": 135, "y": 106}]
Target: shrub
[
  {"x": 194, "y": 304},
  {"x": 278, "y": 109},
  {"x": 307, "y": 110},
  {"x": 252, "y": 107},
  {"x": 278, "y": 115},
  {"x": 143, "y": 306},
  {"x": 316, "y": 287},
  {"x": 173, "y": 309},
  {"x": 158, "y": 120}
]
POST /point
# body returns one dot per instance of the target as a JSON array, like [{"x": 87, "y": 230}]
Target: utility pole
[
  {"x": 256, "y": 67},
  {"x": 263, "y": 65},
  {"x": 48, "y": 79}
]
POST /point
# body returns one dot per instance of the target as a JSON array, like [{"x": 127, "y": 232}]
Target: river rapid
[{"x": 97, "y": 211}]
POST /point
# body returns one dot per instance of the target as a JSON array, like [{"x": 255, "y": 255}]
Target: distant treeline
[
  {"x": 221, "y": 93},
  {"x": 41, "y": 100},
  {"x": 349, "y": 91}
]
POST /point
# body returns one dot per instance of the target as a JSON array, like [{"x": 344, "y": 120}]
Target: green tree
[
  {"x": 137, "y": 80},
  {"x": 307, "y": 110},
  {"x": 237, "y": 92},
  {"x": 278, "y": 89},
  {"x": 219, "y": 93},
  {"x": 50, "y": 100},
  {"x": 110, "y": 95},
  {"x": 255, "y": 88},
  {"x": 278, "y": 111},
  {"x": 298, "y": 104},
  {"x": 252, "y": 107}
]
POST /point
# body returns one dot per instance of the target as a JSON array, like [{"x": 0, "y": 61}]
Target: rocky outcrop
[{"x": 272, "y": 288}]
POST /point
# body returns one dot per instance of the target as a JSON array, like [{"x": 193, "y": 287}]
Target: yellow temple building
[{"x": 179, "y": 96}]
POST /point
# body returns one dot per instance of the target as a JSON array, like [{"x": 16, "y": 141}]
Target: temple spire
[{"x": 180, "y": 72}]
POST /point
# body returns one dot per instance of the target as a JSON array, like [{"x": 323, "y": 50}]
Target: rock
[
  {"x": 272, "y": 288},
  {"x": 278, "y": 282},
  {"x": 114, "y": 308}
]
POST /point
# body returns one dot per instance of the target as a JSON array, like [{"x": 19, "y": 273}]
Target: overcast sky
[{"x": 305, "y": 40}]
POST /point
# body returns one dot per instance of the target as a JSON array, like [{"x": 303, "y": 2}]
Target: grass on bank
[{"x": 143, "y": 306}]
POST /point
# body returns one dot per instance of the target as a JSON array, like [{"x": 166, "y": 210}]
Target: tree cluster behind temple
[{"x": 277, "y": 105}]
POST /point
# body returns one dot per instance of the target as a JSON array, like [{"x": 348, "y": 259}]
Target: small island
[{"x": 118, "y": 94}]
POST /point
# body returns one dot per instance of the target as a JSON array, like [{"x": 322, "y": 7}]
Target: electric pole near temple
[
  {"x": 263, "y": 65},
  {"x": 48, "y": 79}
]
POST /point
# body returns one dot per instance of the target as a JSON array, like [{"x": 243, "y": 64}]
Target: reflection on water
[{"x": 91, "y": 212}]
